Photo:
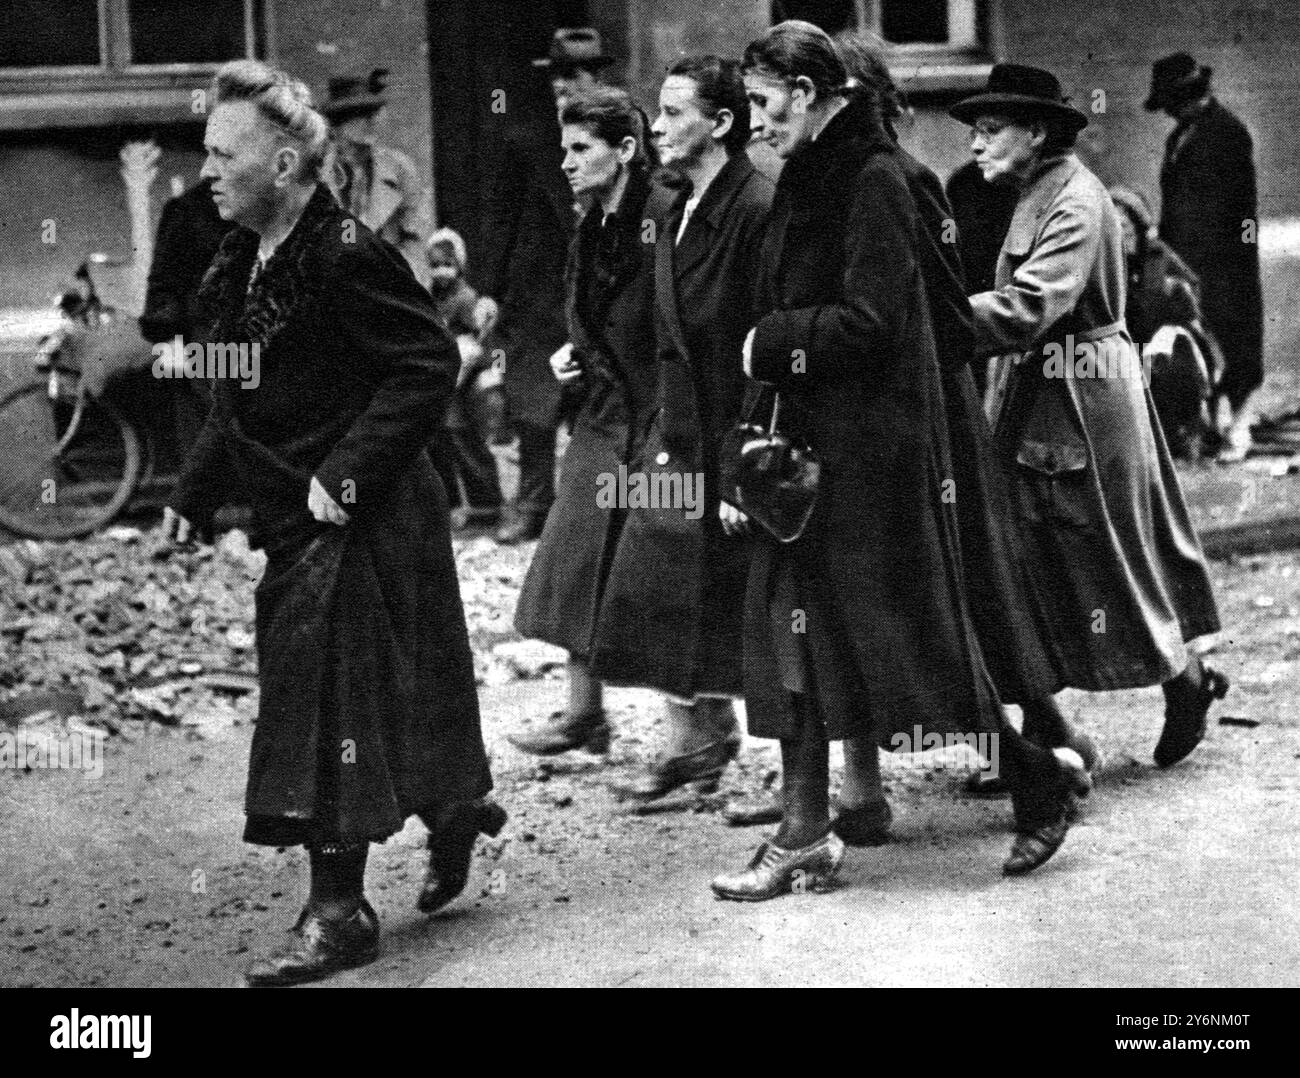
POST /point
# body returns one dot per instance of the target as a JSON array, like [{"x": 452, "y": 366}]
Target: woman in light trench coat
[{"x": 1106, "y": 531}]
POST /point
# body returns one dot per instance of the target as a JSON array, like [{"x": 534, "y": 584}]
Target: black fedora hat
[
  {"x": 575, "y": 46},
  {"x": 1020, "y": 91},
  {"x": 356, "y": 95},
  {"x": 1176, "y": 78}
]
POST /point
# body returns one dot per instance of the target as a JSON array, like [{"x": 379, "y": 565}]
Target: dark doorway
[{"x": 479, "y": 64}]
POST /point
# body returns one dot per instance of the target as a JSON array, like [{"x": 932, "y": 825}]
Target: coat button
[{"x": 661, "y": 459}]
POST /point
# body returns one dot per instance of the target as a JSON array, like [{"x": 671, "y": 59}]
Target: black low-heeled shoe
[
  {"x": 450, "y": 847},
  {"x": 866, "y": 825},
  {"x": 702, "y": 769},
  {"x": 325, "y": 947},
  {"x": 1042, "y": 823},
  {"x": 1186, "y": 724}
]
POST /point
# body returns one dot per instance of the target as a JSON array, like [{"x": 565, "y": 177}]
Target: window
[
  {"x": 53, "y": 38},
  {"x": 911, "y": 25},
  {"x": 75, "y": 63}
]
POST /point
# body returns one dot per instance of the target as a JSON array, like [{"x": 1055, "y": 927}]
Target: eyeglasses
[{"x": 987, "y": 131}]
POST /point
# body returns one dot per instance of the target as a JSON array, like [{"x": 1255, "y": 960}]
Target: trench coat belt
[{"x": 1007, "y": 374}]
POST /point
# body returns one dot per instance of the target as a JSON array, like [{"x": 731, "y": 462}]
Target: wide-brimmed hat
[
  {"x": 1020, "y": 91},
  {"x": 1175, "y": 78},
  {"x": 356, "y": 95},
  {"x": 575, "y": 46}
]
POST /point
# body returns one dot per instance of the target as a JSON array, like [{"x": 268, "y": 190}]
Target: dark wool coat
[
  {"x": 561, "y": 594},
  {"x": 875, "y": 582},
  {"x": 530, "y": 220},
  {"x": 368, "y": 710},
  {"x": 673, "y": 613},
  {"x": 189, "y": 232},
  {"x": 1009, "y": 617},
  {"x": 1207, "y": 188}
]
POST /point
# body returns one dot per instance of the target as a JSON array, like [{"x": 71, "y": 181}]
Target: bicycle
[{"x": 70, "y": 458}]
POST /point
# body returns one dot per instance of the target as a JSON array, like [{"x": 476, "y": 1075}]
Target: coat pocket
[{"x": 1052, "y": 484}]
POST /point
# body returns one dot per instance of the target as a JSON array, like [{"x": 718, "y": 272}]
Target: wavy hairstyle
[
  {"x": 611, "y": 115},
  {"x": 285, "y": 102}
]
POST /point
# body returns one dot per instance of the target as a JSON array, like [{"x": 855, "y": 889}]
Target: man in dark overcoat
[
  {"x": 368, "y": 711},
  {"x": 1209, "y": 216},
  {"x": 530, "y": 220},
  {"x": 189, "y": 232}
]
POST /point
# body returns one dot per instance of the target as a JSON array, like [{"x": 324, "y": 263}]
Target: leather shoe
[
  {"x": 866, "y": 825},
  {"x": 1185, "y": 722},
  {"x": 450, "y": 847},
  {"x": 1043, "y": 816},
  {"x": 563, "y": 732},
  {"x": 324, "y": 947},
  {"x": 520, "y": 528},
  {"x": 702, "y": 768},
  {"x": 774, "y": 871}
]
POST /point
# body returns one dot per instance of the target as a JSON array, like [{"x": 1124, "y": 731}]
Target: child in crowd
[{"x": 477, "y": 409}]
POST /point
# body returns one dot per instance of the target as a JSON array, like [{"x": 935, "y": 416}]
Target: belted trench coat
[{"x": 1104, "y": 526}]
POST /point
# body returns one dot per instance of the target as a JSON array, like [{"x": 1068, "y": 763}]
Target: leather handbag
[{"x": 769, "y": 476}]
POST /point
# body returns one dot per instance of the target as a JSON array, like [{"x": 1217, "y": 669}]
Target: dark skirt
[{"x": 368, "y": 710}]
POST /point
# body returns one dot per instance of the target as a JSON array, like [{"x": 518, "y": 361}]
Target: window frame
[{"x": 94, "y": 94}]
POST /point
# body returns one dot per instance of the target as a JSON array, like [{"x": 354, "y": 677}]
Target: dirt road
[{"x": 1186, "y": 877}]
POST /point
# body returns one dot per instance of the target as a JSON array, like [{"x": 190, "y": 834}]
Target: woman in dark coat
[
  {"x": 674, "y": 605},
  {"x": 368, "y": 711},
  {"x": 608, "y": 374},
  {"x": 1105, "y": 531},
  {"x": 860, "y": 628},
  {"x": 1009, "y": 620}
]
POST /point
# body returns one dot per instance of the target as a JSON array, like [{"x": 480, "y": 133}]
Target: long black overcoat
[
  {"x": 368, "y": 710},
  {"x": 1007, "y": 611},
  {"x": 561, "y": 595},
  {"x": 528, "y": 227},
  {"x": 876, "y": 577},
  {"x": 673, "y": 613},
  {"x": 1207, "y": 211}
]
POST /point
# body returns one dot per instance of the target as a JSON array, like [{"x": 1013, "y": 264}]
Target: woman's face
[
  {"x": 683, "y": 134},
  {"x": 1005, "y": 150},
  {"x": 778, "y": 113},
  {"x": 591, "y": 165}
]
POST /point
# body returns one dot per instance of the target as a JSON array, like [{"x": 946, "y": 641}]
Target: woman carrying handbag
[{"x": 859, "y": 628}]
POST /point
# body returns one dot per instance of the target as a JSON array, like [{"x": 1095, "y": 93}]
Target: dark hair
[
  {"x": 611, "y": 115},
  {"x": 796, "y": 49},
  {"x": 718, "y": 86},
  {"x": 863, "y": 55}
]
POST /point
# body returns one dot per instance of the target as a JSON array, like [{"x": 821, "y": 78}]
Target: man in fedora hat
[
  {"x": 1208, "y": 215},
  {"x": 530, "y": 218},
  {"x": 378, "y": 185}
]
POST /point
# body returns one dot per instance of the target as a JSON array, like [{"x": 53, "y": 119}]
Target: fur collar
[{"x": 235, "y": 313}]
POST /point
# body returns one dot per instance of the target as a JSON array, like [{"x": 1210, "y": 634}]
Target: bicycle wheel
[{"x": 68, "y": 463}]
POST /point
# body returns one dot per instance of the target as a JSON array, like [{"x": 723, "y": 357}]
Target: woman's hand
[
  {"x": 734, "y": 522},
  {"x": 564, "y": 366},
  {"x": 323, "y": 507},
  {"x": 747, "y": 354},
  {"x": 486, "y": 313}
]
